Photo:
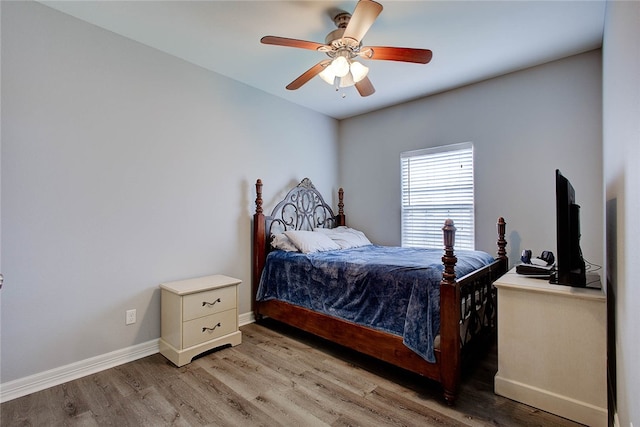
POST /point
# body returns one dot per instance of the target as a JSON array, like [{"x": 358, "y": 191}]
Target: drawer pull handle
[
  {"x": 204, "y": 329},
  {"x": 210, "y": 304}
]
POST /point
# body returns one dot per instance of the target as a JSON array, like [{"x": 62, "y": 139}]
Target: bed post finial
[
  {"x": 502, "y": 243},
  {"x": 340, "y": 217},
  {"x": 259, "y": 196},
  {"x": 449, "y": 259}
]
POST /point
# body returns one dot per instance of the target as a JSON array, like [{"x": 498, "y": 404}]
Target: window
[{"x": 437, "y": 183}]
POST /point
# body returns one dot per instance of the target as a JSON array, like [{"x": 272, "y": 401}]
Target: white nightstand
[{"x": 198, "y": 315}]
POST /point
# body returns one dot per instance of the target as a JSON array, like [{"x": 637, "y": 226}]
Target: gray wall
[
  {"x": 523, "y": 125},
  {"x": 123, "y": 167},
  {"x": 621, "y": 130}
]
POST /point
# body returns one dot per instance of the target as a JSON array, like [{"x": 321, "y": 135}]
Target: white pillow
[
  {"x": 308, "y": 241},
  {"x": 345, "y": 237},
  {"x": 282, "y": 242}
]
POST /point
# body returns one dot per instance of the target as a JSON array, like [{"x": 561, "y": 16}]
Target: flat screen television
[{"x": 570, "y": 266}]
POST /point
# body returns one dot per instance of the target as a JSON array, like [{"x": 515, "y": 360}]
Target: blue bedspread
[{"x": 393, "y": 289}]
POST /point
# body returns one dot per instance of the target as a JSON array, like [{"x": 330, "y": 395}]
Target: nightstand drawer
[
  {"x": 207, "y": 328},
  {"x": 208, "y": 302}
]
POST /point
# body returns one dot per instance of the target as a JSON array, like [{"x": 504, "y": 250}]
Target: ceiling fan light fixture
[
  {"x": 340, "y": 66},
  {"x": 358, "y": 71},
  {"x": 347, "y": 80},
  {"x": 328, "y": 75}
]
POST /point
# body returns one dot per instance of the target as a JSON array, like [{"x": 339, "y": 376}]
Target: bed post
[
  {"x": 502, "y": 243},
  {"x": 259, "y": 245},
  {"x": 449, "y": 317},
  {"x": 340, "y": 219}
]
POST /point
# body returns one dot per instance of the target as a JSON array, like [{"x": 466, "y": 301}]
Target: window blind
[{"x": 437, "y": 183}]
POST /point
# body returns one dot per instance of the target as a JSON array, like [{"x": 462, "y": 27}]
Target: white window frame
[{"x": 438, "y": 184}]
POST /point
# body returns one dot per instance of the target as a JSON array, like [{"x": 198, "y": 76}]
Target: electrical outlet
[{"x": 131, "y": 317}]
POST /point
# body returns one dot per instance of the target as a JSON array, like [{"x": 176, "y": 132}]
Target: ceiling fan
[{"x": 344, "y": 45}]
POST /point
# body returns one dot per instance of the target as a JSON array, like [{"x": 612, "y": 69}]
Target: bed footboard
[{"x": 478, "y": 305}]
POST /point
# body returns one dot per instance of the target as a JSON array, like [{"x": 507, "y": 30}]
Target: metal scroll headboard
[{"x": 303, "y": 208}]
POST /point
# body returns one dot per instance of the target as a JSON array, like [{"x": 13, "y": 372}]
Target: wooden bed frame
[{"x": 468, "y": 315}]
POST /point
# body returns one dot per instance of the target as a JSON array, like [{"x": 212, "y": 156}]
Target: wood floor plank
[
  {"x": 85, "y": 419},
  {"x": 319, "y": 406},
  {"x": 277, "y": 376},
  {"x": 243, "y": 374},
  {"x": 345, "y": 375},
  {"x": 194, "y": 408},
  {"x": 147, "y": 407},
  {"x": 107, "y": 405},
  {"x": 367, "y": 411},
  {"x": 281, "y": 405},
  {"x": 27, "y": 411},
  {"x": 408, "y": 411},
  {"x": 230, "y": 407},
  {"x": 278, "y": 361}
]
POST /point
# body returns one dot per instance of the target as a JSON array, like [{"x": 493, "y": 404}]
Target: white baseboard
[
  {"x": 246, "y": 318},
  {"x": 564, "y": 406},
  {"x": 27, "y": 385},
  {"x": 37, "y": 382}
]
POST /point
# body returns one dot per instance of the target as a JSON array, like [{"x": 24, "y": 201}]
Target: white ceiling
[{"x": 471, "y": 41}]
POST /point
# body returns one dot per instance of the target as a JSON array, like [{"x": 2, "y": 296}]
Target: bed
[{"x": 404, "y": 306}]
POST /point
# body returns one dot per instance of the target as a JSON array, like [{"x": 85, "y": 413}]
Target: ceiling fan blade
[
  {"x": 403, "y": 54},
  {"x": 365, "y": 88},
  {"x": 308, "y": 75},
  {"x": 363, "y": 16},
  {"x": 283, "y": 41}
]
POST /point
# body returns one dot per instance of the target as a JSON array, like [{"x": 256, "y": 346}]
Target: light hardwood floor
[{"x": 277, "y": 376}]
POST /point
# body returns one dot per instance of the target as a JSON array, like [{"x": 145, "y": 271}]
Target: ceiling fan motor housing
[
  {"x": 342, "y": 19},
  {"x": 334, "y": 36},
  {"x": 341, "y": 46}
]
